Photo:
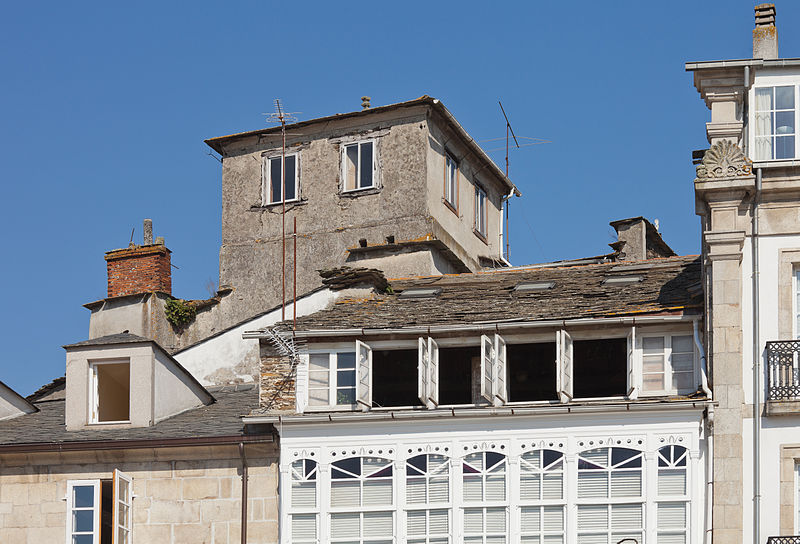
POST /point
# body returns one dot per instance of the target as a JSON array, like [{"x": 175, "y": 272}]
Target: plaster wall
[
  {"x": 403, "y": 264},
  {"x": 174, "y": 392},
  {"x": 78, "y": 395},
  {"x": 181, "y": 494},
  {"x": 11, "y": 405},
  {"x": 227, "y": 358},
  {"x": 460, "y": 223}
]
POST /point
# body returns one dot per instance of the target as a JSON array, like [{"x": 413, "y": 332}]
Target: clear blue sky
[{"x": 105, "y": 109}]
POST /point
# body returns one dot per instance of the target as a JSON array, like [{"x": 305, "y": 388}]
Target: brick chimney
[
  {"x": 765, "y": 35},
  {"x": 139, "y": 269}
]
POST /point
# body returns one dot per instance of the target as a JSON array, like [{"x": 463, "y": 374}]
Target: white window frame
[
  {"x": 333, "y": 367},
  {"x": 267, "y": 181},
  {"x": 795, "y": 305},
  {"x": 94, "y": 397},
  {"x": 451, "y": 180},
  {"x": 118, "y": 503},
  {"x": 684, "y": 498},
  {"x": 363, "y": 508},
  {"x": 298, "y": 478},
  {"x": 428, "y": 372},
  {"x": 484, "y": 504},
  {"x": 481, "y": 226},
  {"x": 96, "y": 507},
  {"x": 428, "y": 506},
  {"x": 667, "y": 354},
  {"x": 773, "y": 81},
  {"x": 494, "y": 383},
  {"x": 527, "y": 470},
  {"x": 343, "y": 161}
]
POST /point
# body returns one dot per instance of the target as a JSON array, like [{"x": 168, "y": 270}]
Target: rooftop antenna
[
  {"x": 508, "y": 200},
  {"x": 281, "y": 117}
]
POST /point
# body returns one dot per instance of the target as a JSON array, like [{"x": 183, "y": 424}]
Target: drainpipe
[
  {"x": 244, "y": 492},
  {"x": 756, "y": 369},
  {"x": 710, "y": 476},
  {"x": 703, "y": 364}
]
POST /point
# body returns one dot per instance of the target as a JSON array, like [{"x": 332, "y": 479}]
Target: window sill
[
  {"x": 289, "y": 204},
  {"x": 782, "y": 407},
  {"x": 450, "y": 206},
  {"x": 480, "y": 236},
  {"x": 354, "y": 193},
  {"x": 776, "y": 163}
]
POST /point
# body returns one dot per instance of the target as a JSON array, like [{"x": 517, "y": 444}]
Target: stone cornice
[{"x": 725, "y": 245}]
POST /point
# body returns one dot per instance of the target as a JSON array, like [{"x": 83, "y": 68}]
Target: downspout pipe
[
  {"x": 244, "y": 493},
  {"x": 709, "y": 514},
  {"x": 756, "y": 368},
  {"x": 703, "y": 363}
]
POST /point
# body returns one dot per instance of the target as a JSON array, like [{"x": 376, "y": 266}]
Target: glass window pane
[
  {"x": 275, "y": 179},
  {"x": 83, "y": 496},
  {"x": 351, "y": 162},
  {"x": 83, "y": 539},
  {"x": 346, "y": 359},
  {"x": 653, "y": 344},
  {"x": 346, "y": 378},
  {"x": 318, "y": 397},
  {"x": 653, "y": 382},
  {"x": 319, "y": 361},
  {"x": 784, "y": 98},
  {"x": 764, "y": 99},
  {"x": 682, "y": 344},
  {"x": 784, "y": 122},
  {"x": 290, "y": 177},
  {"x": 82, "y": 521},
  {"x": 346, "y": 396},
  {"x": 366, "y": 165},
  {"x": 653, "y": 363},
  {"x": 784, "y": 147}
]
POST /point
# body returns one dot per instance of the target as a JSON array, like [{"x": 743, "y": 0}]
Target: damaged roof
[
  {"x": 219, "y": 419},
  {"x": 661, "y": 285}
]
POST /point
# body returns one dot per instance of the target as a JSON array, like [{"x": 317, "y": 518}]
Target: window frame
[
  {"x": 481, "y": 218},
  {"x": 542, "y": 503},
  {"x": 449, "y": 159},
  {"x": 484, "y": 505},
  {"x": 96, "y": 508},
  {"x": 343, "y": 167},
  {"x": 668, "y": 369},
  {"x": 267, "y": 182},
  {"x": 764, "y": 81},
  {"x": 795, "y": 305},
  {"x": 116, "y": 480},
  {"x": 94, "y": 397},
  {"x": 312, "y": 476},
  {"x": 333, "y": 368}
]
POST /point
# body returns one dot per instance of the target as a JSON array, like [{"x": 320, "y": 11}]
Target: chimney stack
[
  {"x": 765, "y": 35},
  {"x": 365, "y": 102},
  {"x": 140, "y": 269}
]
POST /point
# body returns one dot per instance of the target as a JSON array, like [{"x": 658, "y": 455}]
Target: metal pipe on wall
[
  {"x": 244, "y": 493},
  {"x": 756, "y": 367}
]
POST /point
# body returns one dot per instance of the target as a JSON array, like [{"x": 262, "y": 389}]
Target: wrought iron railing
[
  {"x": 783, "y": 540},
  {"x": 783, "y": 378}
]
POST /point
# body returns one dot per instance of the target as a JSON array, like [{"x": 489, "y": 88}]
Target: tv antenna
[{"x": 280, "y": 116}]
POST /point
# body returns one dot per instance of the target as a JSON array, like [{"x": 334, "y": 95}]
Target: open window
[
  {"x": 110, "y": 391},
  {"x": 531, "y": 372},
  {"x": 428, "y": 372},
  {"x": 395, "y": 377},
  {"x": 99, "y": 511},
  {"x": 493, "y": 370},
  {"x": 280, "y": 179},
  {"x": 634, "y": 366},
  {"x": 364, "y": 373},
  {"x": 600, "y": 368},
  {"x": 358, "y": 166},
  {"x": 564, "y": 367}
]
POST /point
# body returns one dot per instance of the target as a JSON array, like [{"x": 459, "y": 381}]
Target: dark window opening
[
  {"x": 455, "y": 374},
  {"x": 531, "y": 373},
  {"x": 600, "y": 368},
  {"x": 107, "y": 511},
  {"x": 394, "y": 377}
]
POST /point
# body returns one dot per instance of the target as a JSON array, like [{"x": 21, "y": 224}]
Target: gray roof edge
[
  {"x": 739, "y": 63},
  {"x": 4, "y": 389}
]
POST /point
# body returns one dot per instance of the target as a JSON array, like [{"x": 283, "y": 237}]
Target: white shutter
[
  {"x": 438, "y": 522},
  {"x": 592, "y": 518},
  {"x": 671, "y": 515},
  {"x": 433, "y": 373},
  {"x": 553, "y": 518},
  {"x": 626, "y": 517},
  {"x": 552, "y": 486},
  {"x": 346, "y": 526},
  {"x": 500, "y": 389},
  {"x": 423, "y": 370},
  {"x": 672, "y": 482},
  {"x": 304, "y": 527},
  {"x": 564, "y": 366},
  {"x": 123, "y": 493},
  {"x": 473, "y": 520},
  {"x": 378, "y": 491},
  {"x": 439, "y": 490},
  {"x": 364, "y": 375},
  {"x": 633, "y": 366},
  {"x": 495, "y": 520},
  {"x": 529, "y": 487},
  {"x": 378, "y": 524},
  {"x": 304, "y": 494},
  {"x": 487, "y": 368},
  {"x": 530, "y": 519},
  {"x": 626, "y": 483},
  {"x": 592, "y": 484},
  {"x": 345, "y": 493},
  {"x": 301, "y": 384},
  {"x": 415, "y": 490},
  {"x": 416, "y": 523}
]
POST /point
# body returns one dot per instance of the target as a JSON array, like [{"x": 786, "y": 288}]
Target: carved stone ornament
[{"x": 724, "y": 160}]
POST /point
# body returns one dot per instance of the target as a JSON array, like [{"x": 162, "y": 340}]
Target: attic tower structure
[
  {"x": 402, "y": 188},
  {"x": 748, "y": 198}
]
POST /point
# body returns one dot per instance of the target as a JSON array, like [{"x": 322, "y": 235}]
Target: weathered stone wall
[
  {"x": 182, "y": 494},
  {"x": 277, "y": 384}
]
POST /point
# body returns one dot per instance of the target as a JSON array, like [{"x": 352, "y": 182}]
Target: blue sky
[{"x": 105, "y": 109}]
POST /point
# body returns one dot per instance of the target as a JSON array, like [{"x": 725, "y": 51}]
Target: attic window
[
  {"x": 111, "y": 391},
  {"x": 421, "y": 292},
  {"x": 622, "y": 280},
  {"x": 531, "y": 286}
]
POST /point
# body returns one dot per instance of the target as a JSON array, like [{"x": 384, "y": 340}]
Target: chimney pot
[
  {"x": 148, "y": 232},
  {"x": 365, "y": 102},
  {"x": 765, "y": 34}
]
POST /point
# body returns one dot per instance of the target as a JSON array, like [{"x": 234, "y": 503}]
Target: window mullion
[{"x": 399, "y": 497}]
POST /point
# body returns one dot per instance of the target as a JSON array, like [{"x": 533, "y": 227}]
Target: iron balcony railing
[
  {"x": 783, "y": 540},
  {"x": 783, "y": 378}
]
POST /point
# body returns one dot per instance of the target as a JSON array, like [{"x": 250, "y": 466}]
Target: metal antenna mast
[
  {"x": 508, "y": 201},
  {"x": 281, "y": 117}
]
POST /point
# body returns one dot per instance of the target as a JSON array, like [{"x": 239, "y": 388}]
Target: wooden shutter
[
  {"x": 423, "y": 370},
  {"x": 633, "y": 366},
  {"x": 501, "y": 387},
  {"x": 123, "y": 504},
  {"x": 433, "y": 373},
  {"x": 363, "y": 375},
  {"x": 487, "y": 368},
  {"x": 564, "y": 366},
  {"x": 301, "y": 385}
]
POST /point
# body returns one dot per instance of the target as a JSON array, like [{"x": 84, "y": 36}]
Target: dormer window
[
  {"x": 111, "y": 391},
  {"x": 775, "y": 123}
]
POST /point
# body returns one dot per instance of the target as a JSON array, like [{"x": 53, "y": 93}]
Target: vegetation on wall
[{"x": 179, "y": 312}]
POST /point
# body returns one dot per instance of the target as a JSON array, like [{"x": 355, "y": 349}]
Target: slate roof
[
  {"x": 670, "y": 284},
  {"x": 221, "y": 418},
  {"x": 111, "y": 339}
]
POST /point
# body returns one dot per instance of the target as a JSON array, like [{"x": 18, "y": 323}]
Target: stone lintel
[
  {"x": 783, "y": 407},
  {"x": 731, "y": 130}
]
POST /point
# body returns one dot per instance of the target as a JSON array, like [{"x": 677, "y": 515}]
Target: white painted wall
[
  {"x": 12, "y": 404},
  {"x": 229, "y": 352},
  {"x": 175, "y": 392}
]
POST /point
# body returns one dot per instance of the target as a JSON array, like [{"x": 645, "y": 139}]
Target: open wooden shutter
[
  {"x": 500, "y": 389},
  {"x": 564, "y": 366},
  {"x": 423, "y": 370},
  {"x": 487, "y": 368},
  {"x": 123, "y": 499},
  {"x": 633, "y": 366},
  {"x": 364, "y": 375},
  {"x": 433, "y": 373},
  {"x": 301, "y": 384}
]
